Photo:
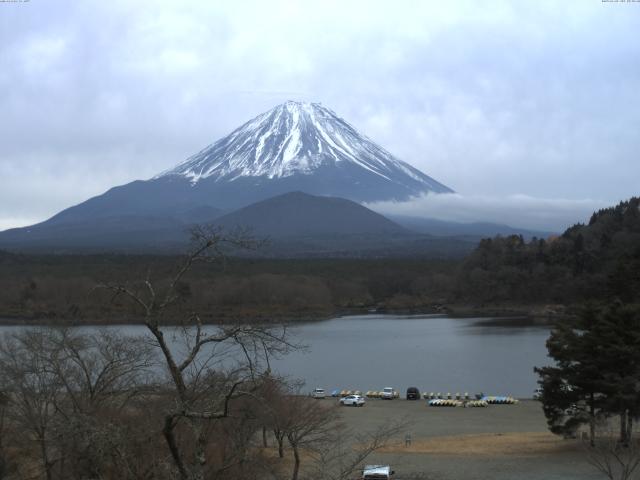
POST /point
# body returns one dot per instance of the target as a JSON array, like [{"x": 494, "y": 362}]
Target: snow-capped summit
[{"x": 299, "y": 138}]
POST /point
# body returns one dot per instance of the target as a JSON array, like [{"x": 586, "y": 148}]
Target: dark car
[{"x": 413, "y": 393}]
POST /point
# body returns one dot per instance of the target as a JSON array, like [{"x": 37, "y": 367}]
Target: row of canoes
[
  {"x": 494, "y": 400},
  {"x": 456, "y": 403},
  {"x": 448, "y": 396},
  {"x": 508, "y": 400},
  {"x": 439, "y": 399},
  {"x": 368, "y": 394}
]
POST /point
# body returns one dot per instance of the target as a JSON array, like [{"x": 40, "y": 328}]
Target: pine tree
[{"x": 597, "y": 371}]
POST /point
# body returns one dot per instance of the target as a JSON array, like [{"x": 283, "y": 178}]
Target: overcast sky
[{"x": 530, "y": 111}]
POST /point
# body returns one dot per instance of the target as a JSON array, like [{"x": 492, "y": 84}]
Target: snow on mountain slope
[{"x": 297, "y": 138}]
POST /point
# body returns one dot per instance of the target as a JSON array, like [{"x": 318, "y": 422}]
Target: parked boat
[
  {"x": 445, "y": 403},
  {"x": 499, "y": 400}
]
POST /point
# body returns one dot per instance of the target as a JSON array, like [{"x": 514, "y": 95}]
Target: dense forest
[{"x": 598, "y": 261}]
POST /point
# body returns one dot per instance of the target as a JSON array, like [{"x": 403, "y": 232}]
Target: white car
[
  {"x": 388, "y": 393},
  {"x": 318, "y": 393},
  {"x": 352, "y": 400},
  {"x": 377, "y": 472}
]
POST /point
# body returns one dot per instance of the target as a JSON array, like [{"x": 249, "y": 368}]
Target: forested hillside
[{"x": 597, "y": 261}]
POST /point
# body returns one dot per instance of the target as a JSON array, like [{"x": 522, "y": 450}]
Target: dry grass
[{"x": 516, "y": 444}]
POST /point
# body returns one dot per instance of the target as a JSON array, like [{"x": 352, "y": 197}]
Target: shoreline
[{"x": 533, "y": 314}]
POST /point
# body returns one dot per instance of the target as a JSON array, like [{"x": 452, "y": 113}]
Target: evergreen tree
[{"x": 597, "y": 371}]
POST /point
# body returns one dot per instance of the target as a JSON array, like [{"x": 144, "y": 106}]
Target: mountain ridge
[
  {"x": 295, "y": 225},
  {"x": 295, "y": 146}
]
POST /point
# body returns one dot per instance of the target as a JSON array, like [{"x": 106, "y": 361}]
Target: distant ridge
[
  {"x": 300, "y": 214},
  {"x": 295, "y": 225},
  {"x": 444, "y": 228}
]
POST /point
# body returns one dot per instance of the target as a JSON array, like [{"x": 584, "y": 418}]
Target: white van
[
  {"x": 377, "y": 472},
  {"x": 387, "y": 393},
  {"x": 318, "y": 393}
]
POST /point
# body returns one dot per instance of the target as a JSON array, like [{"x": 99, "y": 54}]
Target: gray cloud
[
  {"x": 523, "y": 211},
  {"x": 492, "y": 99}
]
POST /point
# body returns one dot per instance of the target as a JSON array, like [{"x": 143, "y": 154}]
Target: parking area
[{"x": 499, "y": 442}]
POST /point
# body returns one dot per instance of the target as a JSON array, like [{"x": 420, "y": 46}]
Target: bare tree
[
  {"x": 197, "y": 358},
  {"x": 100, "y": 376},
  {"x": 308, "y": 425},
  {"x": 274, "y": 409},
  {"x": 613, "y": 458},
  {"x": 63, "y": 389},
  {"x": 346, "y": 451},
  {"x": 32, "y": 392},
  {"x": 5, "y": 464},
  {"x": 98, "y": 369}
]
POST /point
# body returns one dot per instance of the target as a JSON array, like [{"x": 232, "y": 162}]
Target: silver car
[{"x": 352, "y": 400}]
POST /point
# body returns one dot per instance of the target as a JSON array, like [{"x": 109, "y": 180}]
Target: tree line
[
  {"x": 61, "y": 289},
  {"x": 599, "y": 261}
]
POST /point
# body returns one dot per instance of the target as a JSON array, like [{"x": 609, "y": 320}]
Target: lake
[{"x": 435, "y": 353}]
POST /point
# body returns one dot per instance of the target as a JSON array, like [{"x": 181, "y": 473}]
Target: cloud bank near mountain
[{"x": 522, "y": 211}]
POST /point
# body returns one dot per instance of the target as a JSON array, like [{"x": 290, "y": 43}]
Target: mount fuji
[
  {"x": 304, "y": 146},
  {"x": 294, "y": 147}
]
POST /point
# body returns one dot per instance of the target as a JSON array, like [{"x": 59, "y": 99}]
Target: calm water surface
[{"x": 435, "y": 353}]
